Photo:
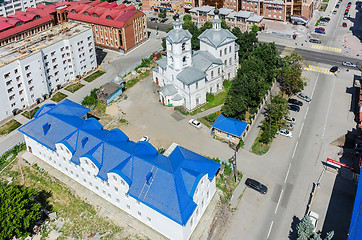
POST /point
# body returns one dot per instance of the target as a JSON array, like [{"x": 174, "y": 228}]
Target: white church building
[
  {"x": 168, "y": 192},
  {"x": 186, "y": 76}
]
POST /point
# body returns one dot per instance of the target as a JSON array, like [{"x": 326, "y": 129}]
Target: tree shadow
[
  {"x": 43, "y": 198},
  {"x": 293, "y": 228}
]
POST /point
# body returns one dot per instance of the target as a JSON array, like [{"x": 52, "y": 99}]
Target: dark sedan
[
  {"x": 294, "y": 108},
  {"x": 295, "y": 102},
  {"x": 256, "y": 185}
]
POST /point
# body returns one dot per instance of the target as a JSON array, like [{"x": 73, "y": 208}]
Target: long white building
[
  {"x": 186, "y": 77},
  {"x": 9, "y": 7},
  {"x": 31, "y": 69},
  {"x": 168, "y": 193}
]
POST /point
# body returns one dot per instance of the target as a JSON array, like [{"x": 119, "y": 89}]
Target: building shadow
[
  {"x": 357, "y": 21},
  {"x": 100, "y": 55}
]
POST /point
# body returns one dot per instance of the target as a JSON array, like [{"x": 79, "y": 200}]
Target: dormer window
[
  {"x": 85, "y": 13},
  {"x": 73, "y": 11},
  {"x": 109, "y": 17},
  {"x": 95, "y": 15}
]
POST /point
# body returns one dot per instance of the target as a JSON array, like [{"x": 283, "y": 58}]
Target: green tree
[
  {"x": 162, "y": 13},
  {"x": 91, "y": 99},
  {"x": 192, "y": 28},
  {"x": 276, "y": 111},
  {"x": 268, "y": 53},
  {"x": 290, "y": 74},
  {"x": 163, "y": 43},
  {"x": 305, "y": 228},
  {"x": 224, "y": 24},
  {"x": 255, "y": 28},
  {"x": 18, "y": 209},
  {"x": 247, "y": 41},
  {"x": 187, "y": 17}
]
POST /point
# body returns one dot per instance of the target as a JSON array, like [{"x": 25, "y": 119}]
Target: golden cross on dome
[{"x": 216, "y": 4}]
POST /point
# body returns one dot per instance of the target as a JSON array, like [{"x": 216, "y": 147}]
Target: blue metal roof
[
  {"x": 355, "y": 230},
  {"x": 166, "y": 184},
  {"x": 230, "y": 125}
]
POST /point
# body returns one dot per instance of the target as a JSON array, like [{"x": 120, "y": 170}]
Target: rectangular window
[
  {"x": 139, "y": 214},
  {"x": 128, "y": 207}
]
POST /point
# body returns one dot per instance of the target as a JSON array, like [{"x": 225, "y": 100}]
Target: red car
[
  {"x": 344, "y": 24},
  {"x": 348, "y": 6},
  {"x": 320, "y": 28},
  {"x": 347, "y": 10}
]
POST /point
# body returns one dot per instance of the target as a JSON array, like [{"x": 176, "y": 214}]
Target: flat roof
[{"x": 33, "y": 44}]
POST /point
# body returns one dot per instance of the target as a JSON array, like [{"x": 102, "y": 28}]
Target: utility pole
[{"x": 233, "y": 158}]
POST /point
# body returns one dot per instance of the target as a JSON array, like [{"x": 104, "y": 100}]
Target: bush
[
  {"x": 210, "y": 97},
  {"x": 212, "y": 117},
  {"x": 226, "y": 84},
  {"x": 91, "y": 99},
  {"x": 181, "y": 109}
]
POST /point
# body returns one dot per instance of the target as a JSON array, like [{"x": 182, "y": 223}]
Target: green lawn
[
  {"x": 9, "y": 127},
  {"x": 58, "y": 97},
  {"x": 74, "y": 87},
  {"x": 133, "y": 81},
  {"x": 258, "y": 147},
  {"x": 94, "y": 75},
  {"x": 218, "y": 100},
  {"x": 30, "y": 114}
]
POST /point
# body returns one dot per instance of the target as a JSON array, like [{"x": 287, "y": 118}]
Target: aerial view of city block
[{"x": 181, "y": 120}]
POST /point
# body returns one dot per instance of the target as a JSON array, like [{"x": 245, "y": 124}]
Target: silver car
[
  {"x": 304, "y": 97},
  {"x": 349, "y": 64}
]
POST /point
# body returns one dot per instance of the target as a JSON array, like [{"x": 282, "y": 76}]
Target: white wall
[
  {"x": 115, "y": 190},
  {"x": 28, "y": 79},
  {"x": 11, "y": 6}
]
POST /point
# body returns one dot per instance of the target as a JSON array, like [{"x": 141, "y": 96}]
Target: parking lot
[{"x": 146, "y": 116}]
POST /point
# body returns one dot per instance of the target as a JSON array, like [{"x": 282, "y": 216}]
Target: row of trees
[{"x": 305, "y": 231}]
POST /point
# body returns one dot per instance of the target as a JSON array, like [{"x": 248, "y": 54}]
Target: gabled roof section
[
  {"x": 178, "y": 35},
  {"x": 203, "y": 60},
  {"x": 166, "y": 184},
  {"x": 230, "y": 125},
  {"x": 190, "y": 75},
  {"x": 216, "y": 37}
]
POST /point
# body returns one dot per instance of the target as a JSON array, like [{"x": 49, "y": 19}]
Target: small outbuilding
[
  {"x": 108, "y": 92},
  {"x": 229, "y": 129}
]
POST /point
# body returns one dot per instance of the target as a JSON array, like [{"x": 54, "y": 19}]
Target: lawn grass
[
  {"x": 133, "y": 81},
  {"x": 258, "y": 147},
  {"x": 30, "y": 114},
  {"x": 9, "y": 127},
  {"x": 74, "y": 87},
  {"x": 218, "y": 100},
  {"x": 58, "y": 97},
  {"x": 205, "y": 122},
  {"x": 79, "y": 217},
  {"x": 94, "y": 75}
]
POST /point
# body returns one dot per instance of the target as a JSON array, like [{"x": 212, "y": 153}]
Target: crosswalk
[
  {"x": 318, "y": 69},
  {"x": 325, "y": 48},
  {"x": 287, "y": 51}
]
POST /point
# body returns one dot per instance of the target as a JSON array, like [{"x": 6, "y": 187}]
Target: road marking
[
  {"x": 315, "y": 85},
  {"x": 318, "y": 69},
  {"x": 295, "y": 148},
  {"x": 305, "y": 116},
  {"x": 329, "y": 105},
  {"x": 286, "y": 176},
  {"x": 280, "y": 198},
  {"x": 326, "y": 48},
  {"x": 270, "y": 228},
  {"x": 301, "y": 129}
]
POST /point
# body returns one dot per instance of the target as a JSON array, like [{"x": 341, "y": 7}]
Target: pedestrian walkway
[
  {"x": 325, "y": 48},
  {"x": 318, "y": 69},
  {"x": 287, "y": 51}
]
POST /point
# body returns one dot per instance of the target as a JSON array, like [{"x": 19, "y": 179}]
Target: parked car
[
  {"x": 295, "y": 101},
  {"x": 337, "y": 5},
  {"x": 349, "y": 64},
  {"x": 163, "y": 20},
  {"x": 345, "y": 17},
  {"x": 145, "y": 139},
  {"x": 195, "y": 123},
  {"x": 320, "y": 31},
  {"x": 291, "y": 120},
  {"x": 294, "y": 108},
  {"x": 344, "y": 24},
  {"x": 325, "y": 19},
  {"x": 256, "y": 185},
  {"x": 285, "y": 133},
  {"x": 334, "y": 69},
  {"x": 304, "y": 97},
  {"x": 348, "y": 6},
  {"x": 334, "y": 12},
  {"x": 346, "y": 11},
  {"x": 314, "y": 40},
  {"x": 314, "y": 219},
  {"x": 349, "y": 3},
  {"x": 320, "y": 28},
  {"x": 290, "y": 126}
]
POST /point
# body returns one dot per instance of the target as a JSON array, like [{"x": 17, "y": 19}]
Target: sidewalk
[{"x": 208, "y": 111}]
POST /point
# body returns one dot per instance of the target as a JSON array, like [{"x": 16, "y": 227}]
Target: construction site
[{"x": 28, "y": 46}]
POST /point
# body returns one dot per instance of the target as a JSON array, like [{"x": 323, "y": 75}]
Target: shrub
[
  {"x": 210, "y": 97},
  {"x": 91, "y": 99},
  {"x": 212, "y": 117},
  {"x": 181, "y": 109},
  {"x": 226, "y": 84}
]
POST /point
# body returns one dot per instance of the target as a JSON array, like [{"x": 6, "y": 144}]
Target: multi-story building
[
  {"x": 242, "y": 19},
  {"x": 187, "y": 77},
  {"x": 281, "y": 10},
  {"x": 168, "y": 192},
  {"x": 171, "y": 7},
  {"x": 33, "y": 67},
  {"x": 114, "y": 26},
  {"x": 9, "y": 7}
]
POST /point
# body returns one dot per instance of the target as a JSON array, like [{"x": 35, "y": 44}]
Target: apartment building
[
  {"x": 31, "y": 69},
  {"x": 242, "y": 19},
  {"x": 168, "y": 192},
  {"x": 9, "y": 7},
  {"x": 114, "y": 26},
  {"x": 171, "y": 7}
]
